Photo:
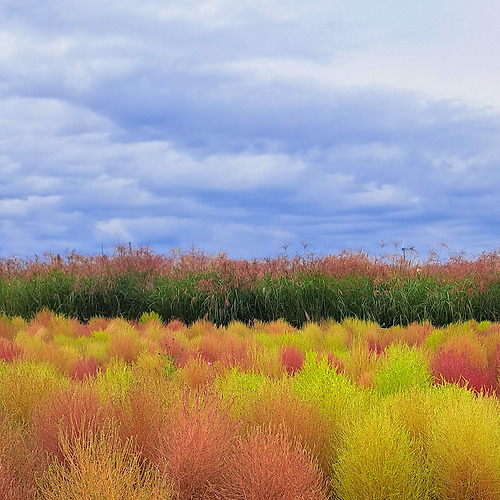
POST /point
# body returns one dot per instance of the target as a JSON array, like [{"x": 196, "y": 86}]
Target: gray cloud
[{"x": 230, "y": 126}]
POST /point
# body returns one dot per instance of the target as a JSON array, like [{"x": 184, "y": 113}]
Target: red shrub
[
  {"x": 267, "y": 464},
  {"x": 292, "y": 358},
  {"x": 9, "y": 350},
  {"x": 73, "y": 411},
  {"x": 454, "y": 365},
  {"x": 83, "y": 368},
  {"x": 194, "y": 449},
  {"x": 335, "y": 362}
]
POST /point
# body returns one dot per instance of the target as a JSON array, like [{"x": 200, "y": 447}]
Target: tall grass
[{"x": 194, "y": 286}]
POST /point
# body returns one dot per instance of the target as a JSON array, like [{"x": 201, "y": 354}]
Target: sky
[{"x": 249, "y": 127}]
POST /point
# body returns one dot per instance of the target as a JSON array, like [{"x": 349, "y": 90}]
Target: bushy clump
[
  {"x": 400, "y": 369},
  {"x": 9, "y": 350},
  {"x": 463, "y": 445},
  {"x": 196, "y": 444},
  {"x": 83, "y": 368},
  {"x": 336, "y": 400},
  {"x": 142, "y": 416},
  {"x": 100, "y": 464},
  {"x": 269, "y": 463},
  {"x": 72, "y": 412},
  {"x": 292, "y": 358},
  {"x": 278, "y": 404},
  {"x": 462, "y": 360},
  {"x": 26, "y": 384},
  {"x": 377, "y": 460},
  {"x": 19, "y": 462}
]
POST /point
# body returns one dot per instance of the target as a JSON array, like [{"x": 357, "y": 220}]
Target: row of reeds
[
  {"x": 119, "y": 410},
  {"x": 193, "y": 285}
]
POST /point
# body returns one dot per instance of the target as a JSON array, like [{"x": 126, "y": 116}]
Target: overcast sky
[{"x": 241, "y": 126}]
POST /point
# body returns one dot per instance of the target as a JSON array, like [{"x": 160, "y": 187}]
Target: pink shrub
[
  {"x": 461, "y": 361},
  {"x": 292, "y": 358}
]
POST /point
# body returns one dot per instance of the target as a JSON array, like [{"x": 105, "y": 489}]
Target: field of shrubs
[
  {"x": 142, "y": 376},
  {"x": 118, "y": 409}
]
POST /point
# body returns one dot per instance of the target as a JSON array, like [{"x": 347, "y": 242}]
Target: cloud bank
[{"x": 240, "y": 127}]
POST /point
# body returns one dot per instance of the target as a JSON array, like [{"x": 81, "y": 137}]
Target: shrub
[
  {"x": 71, "y": 412},
  {"x": 26, "y": 384},
  {"x": 98, "y": 463},
  {"x": 462, "y": 360},
  {"x": 400, "y": 369},
  {"x": 268, "y": 463},
  {"x": 194, "y": 448},
  {"x": 280, "y": 406},
  {"x": 464, "y": 445},
  {"x": 84, "y": 368},
  {"x": 18, "y": 463},
  {"x": 9, "y": 350},
  {"x": 292, "y": 358},
  {"x": 376, "y": 460}
]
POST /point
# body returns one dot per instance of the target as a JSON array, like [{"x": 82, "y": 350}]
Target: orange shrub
[
  {"x": 72, "y": 412},
  {"x": 9, "y": 350},
  {"x": 83, "y": 368},
  {"x": 195, "y": 447},
  {"x": 269, "y": 463},
  {"x": 19, "y": 463}
]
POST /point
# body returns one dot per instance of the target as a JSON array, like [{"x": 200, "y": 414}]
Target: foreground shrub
[
  {"x": 73, "y": 413},
  {"x": 24, "y": 385},
  {"x": 18, "y": 463},
  {"x": 464, "y": 445},
  {"x": 269, "y": 463},
  {"x": 377, "y": 461},
  {"x": 194, "y": 448},
  {"x": 98, "y": 465}
]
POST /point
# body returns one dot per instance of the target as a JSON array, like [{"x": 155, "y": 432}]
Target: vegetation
[
  {"x": 149, "y": 410},
  {"x": 389, "y": 290}
]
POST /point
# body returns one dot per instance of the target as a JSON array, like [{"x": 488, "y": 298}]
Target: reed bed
[
  {"x": 144, "y": 409},
  {"x": 389, "y": 290}
]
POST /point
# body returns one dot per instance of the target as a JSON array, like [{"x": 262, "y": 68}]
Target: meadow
[
  {"x": 117, "y": 409},
  {"x": 140, "y": 376}
]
